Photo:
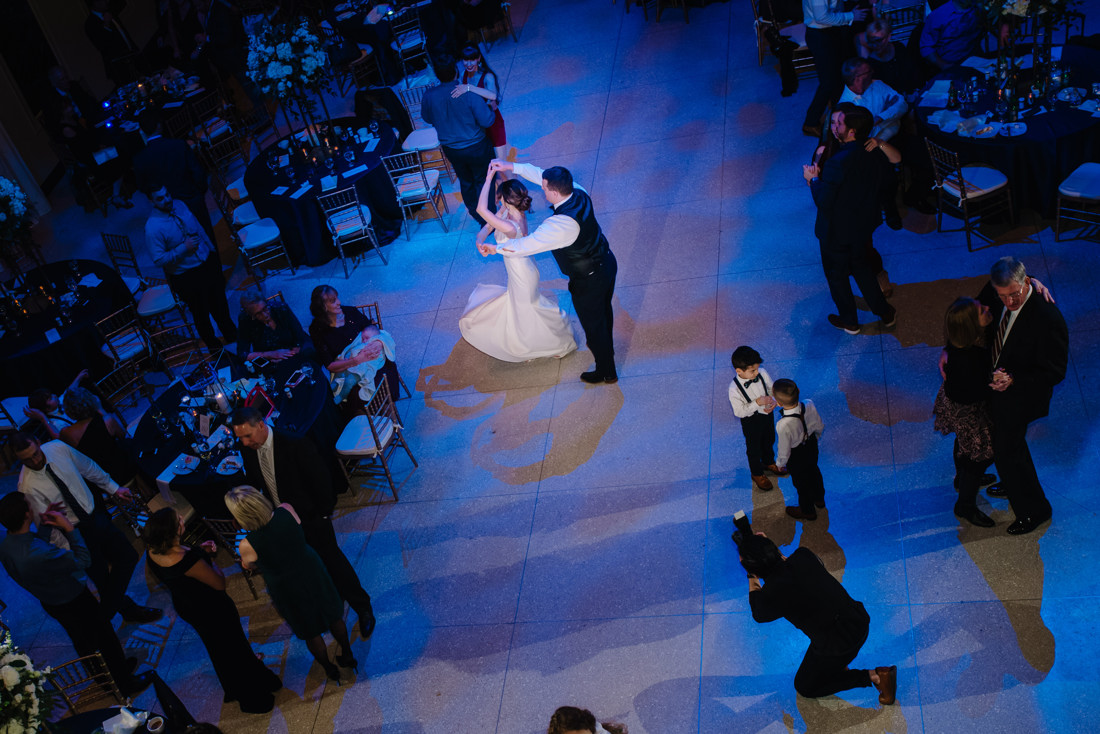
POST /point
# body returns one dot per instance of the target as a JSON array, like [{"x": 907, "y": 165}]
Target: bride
[{"x": 517, "y": 323}]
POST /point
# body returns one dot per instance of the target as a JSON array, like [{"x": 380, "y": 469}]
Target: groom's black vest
[{"x": 583, "y": 256}]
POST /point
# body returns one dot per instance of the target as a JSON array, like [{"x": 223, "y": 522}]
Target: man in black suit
[
  {"x": 66, "y": 96},
  {"x": 849, "y": 209},
  {"x": 111, "y": 40},
  {"x": 290, "y": 469},
  {"x": 172, "y": 162},
  {"x": 1030, "y": 348}
]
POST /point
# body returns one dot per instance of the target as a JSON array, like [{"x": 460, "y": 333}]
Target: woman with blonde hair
[
  {"x": 517, "y": 323},
  {"x": 300, "y": 587},
  {"x": 961, "y": 404}
]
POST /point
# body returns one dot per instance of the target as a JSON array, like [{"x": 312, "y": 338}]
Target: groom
[{"x": 582, "y": 253}]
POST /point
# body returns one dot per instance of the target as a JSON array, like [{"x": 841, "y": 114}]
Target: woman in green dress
[{"x": 300, "y": 587}]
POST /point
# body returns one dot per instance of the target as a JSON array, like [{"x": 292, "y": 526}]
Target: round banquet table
[
  {"x": 310, "y": 411},
  {"x": 1056, "y": 142},
  {"x": 28, "y": 360},
  {"x": 300, "y": 220}
]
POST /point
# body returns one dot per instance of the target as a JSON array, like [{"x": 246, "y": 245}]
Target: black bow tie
[{"x": 755, "y": 379}]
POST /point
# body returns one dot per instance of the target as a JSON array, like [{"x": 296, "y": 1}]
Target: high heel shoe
[
  {"x": 345, "y": 660},
  {"x": 331, "y": 671}
]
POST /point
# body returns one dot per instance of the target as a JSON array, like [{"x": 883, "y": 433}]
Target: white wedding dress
[{"x": 517, "y": 323}]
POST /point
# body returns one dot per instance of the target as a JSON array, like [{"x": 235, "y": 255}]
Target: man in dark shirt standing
[
  {"x": 56, "y": 578},
  {"x": 171, "y": 162},
  {"x": 800, "y": 590},
  {"x": 460, "y": 123},
  {"x": 846, "y": 191}
]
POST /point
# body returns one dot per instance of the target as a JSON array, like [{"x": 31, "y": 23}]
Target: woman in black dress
[
  {"x": 961, "y": 405},
  {"x": 334, "y": 327},
  {"x": 198, "y": 594},
  {"x": 269, "y": 330},
  {"x": 98, "y": 435}
]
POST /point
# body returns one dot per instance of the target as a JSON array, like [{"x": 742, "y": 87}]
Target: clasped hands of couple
[{"x": 497, "y": 165}]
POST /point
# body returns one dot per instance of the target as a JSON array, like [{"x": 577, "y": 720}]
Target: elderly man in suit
[
  {"x": 1030, "y": 349},
  {"x": 846, "y": 191},
  {"x": 290, "y": 469}
]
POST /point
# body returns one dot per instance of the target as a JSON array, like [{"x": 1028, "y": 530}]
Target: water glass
[
  {"x": 307, "y": 370},
  {"x": 330, "y": 163},
  {"x": 273, "y": 163},
  {"x": 290, "y": 174},
  {"x": 349, "y": 155}
]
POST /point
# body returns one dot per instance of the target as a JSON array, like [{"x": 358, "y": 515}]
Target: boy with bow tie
[{"x": 752, "y": 402}]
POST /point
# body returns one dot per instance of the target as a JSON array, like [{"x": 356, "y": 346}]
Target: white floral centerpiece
[
  {"x": 287, "y": 60},
  {"x": 14, "y": 221},
  {"x": 24, "y": 700}
]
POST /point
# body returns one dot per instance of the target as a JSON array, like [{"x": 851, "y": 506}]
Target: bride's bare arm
[{"x": 490, "y": 217}]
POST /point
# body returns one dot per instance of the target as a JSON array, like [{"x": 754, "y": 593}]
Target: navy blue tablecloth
[
  {"x": 1056, "y": 142},
  {"x": 301, "y": 221}
]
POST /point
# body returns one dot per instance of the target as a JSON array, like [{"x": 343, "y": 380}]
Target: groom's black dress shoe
[
  {"x": 974, "y": 516},
  {"x": 595, "y": 378},
  {"x": 1025, "y": 525}
]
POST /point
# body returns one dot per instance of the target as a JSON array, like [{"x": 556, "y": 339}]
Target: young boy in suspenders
[
  {"x": 752, "y": 402},
  {"x": 798, "y": 428}
]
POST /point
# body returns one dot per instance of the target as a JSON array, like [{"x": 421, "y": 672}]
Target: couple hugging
[{"x": 517, "y": 323}]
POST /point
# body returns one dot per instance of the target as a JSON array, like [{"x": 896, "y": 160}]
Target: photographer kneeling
[{"x": 801, "y": 590}]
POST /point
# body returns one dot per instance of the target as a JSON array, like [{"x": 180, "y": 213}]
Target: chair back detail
[{"x": 85, "y": 684}]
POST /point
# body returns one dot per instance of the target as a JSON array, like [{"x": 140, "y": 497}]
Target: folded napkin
[
  {"x": 371, "y": 144},
  {"x": 279, "y": 191},
  {"x": 353, "y": 171},
  {"x": 52, "y": 335},
  {"x": 284, "y": 160},
  {"x": 345, "y": 16},
  {"x": 940, "y": 86},
  {"x": 124, "y": 722},
  {"x": 305, "y": 187},
  {"x": 946, "y": 120},
  {"x": 193, "y": 92},
  {"x": 1089, "y": 105},
  {"x": 172, "y": 105},
  {"x": 978, "y": 63},
  {"x": 91, "y": 280},
  {"x": 933, "y": 99},
  {"x": 328, "y": 183},
  {"x": 102, "y": 156},
  {"x": 225, "y": 374}
]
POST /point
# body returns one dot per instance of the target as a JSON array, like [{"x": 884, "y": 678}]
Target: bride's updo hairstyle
[{"x": 515, "y": 194}]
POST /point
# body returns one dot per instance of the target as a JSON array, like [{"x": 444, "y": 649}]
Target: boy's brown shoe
[{"x": 762, "y": 483}]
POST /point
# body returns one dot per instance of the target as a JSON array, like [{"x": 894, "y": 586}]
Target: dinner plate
[
  {"x": 1072, "y": 94},
  {"x": 1012, "y": 129},
  {"x": 185, "y": 464},
  {"x": 230, "y": 465}
]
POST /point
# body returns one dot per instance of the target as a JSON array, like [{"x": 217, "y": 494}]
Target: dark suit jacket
[
  {"x": 847, "y": 197},
  {"x": 1035, "y": 353},
  {"x": 107, "y": 40},
  {"x": 302, "y": 475},
  {"x": 173, "y": 163}
]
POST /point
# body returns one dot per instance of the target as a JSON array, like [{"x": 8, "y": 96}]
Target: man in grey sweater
[{"x": 460, "y": 123}]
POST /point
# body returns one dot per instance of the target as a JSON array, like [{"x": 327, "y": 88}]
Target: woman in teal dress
[{"x": 300, "y": 587}]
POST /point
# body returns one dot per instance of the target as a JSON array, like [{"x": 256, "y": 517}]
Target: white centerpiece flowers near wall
[{"x": 24, "y": 700}]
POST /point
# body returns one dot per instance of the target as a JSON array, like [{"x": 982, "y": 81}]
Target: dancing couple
[{"x": 517, "y": 323}]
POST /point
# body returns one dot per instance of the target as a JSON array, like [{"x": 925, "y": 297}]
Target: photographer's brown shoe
[
  {"x": 762, "y": 483},
  {"x": 887, "y": 684},
  {"x": 775, "y": 470},
  {"x": 796, "y": 512}
]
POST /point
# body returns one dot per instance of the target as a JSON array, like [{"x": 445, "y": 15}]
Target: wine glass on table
[{"x": 307, "y": 370}]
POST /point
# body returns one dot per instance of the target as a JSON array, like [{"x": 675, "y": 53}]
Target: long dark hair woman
[
  {"x": 198, "y": 594},
  {"x": 477, "y": 77},
  {"x": 961, "y": 404}
]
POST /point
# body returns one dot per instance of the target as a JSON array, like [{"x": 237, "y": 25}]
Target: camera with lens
[{"x": 741, "y": 527}]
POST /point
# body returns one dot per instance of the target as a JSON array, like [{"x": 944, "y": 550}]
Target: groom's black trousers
[{"x": 592, "y": 300}]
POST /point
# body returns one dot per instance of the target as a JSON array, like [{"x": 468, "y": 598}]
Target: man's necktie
[
  {"x": 76, "y": 507},
  {"x": 999, "y": 342}
]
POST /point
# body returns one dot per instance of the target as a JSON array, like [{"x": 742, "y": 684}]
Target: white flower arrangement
[
  {"x": 24, "y": 700},
  {"x": 13, "y": 209},
  {"x": 287, "y": 60}
]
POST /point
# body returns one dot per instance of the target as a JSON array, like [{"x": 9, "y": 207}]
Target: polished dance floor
[{"x": 565, "y": 544}]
